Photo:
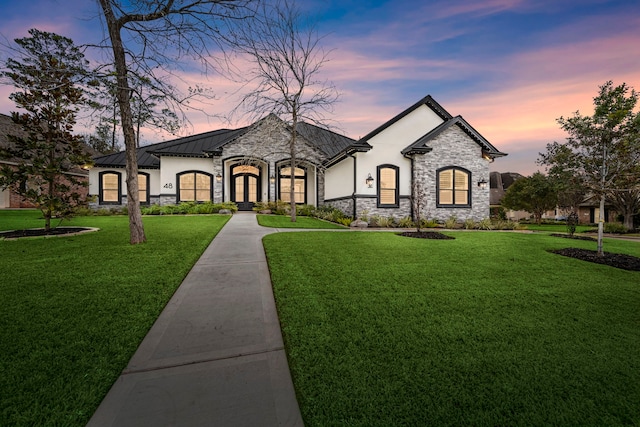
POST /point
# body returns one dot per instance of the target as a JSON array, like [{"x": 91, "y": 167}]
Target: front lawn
[
  {"x": 75, "y": 309},
  {"x": 283, "y": 221},
  {"x": 558, "y": 228},
  {"x": 486, "y": 329}
]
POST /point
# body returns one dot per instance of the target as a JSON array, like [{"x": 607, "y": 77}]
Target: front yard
[
  {"x": 486, "y": 329},
  {"x": 75, "y": 309}
]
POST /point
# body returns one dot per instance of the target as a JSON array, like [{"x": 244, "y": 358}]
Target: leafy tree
[
  {"x": 47, "y": 75},
  {"x": 603, "y": 151},
  {"x": 536, "y": 194},
  {"x": 104, "y": 140},
  {"x": 286, "y": 59},
  {"x": 159, "y": 33}
]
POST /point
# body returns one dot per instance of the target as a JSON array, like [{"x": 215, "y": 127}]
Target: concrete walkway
[{"x": 215, "y": 356}]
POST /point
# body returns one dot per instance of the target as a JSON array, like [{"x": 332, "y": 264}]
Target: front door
[{"x": 245, "y": 186}]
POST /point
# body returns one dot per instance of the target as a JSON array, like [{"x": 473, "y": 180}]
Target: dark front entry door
[{"x": 244, "y": 190}]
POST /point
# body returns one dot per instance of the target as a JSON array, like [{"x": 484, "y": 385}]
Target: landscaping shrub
[
  {"x": 485, "y": 224},
  {"x": 386, "y": 222},
  {"x": 452, "y": 222},
  {"x": 406, "y": 222},
  {"x": 469, "y": 224},
  {"x": 614, "y": 228},
  {"x": 345, "y": 221},
  {"x": 572, "y": 222},
  {"x": 429, "y": 223}
]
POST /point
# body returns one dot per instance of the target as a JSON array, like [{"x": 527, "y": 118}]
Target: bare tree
[
  {"x": 287, "y": 58},
  {"x": 160, "y": 32},
  {"x": 418, "y": 203}
]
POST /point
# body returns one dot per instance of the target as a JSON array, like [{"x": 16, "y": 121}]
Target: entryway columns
[
  {"x": 272, "y": 172},
  {"x": 218, "y": 180}
]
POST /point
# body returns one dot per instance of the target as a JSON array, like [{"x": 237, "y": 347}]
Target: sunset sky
[{"x": 509, "y": 67}]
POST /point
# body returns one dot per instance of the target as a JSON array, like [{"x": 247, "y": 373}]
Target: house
[
  {"x": 10, "y": 198},
  {"x": 499, "y": 182},
  {"x": 423, "y": 147}
]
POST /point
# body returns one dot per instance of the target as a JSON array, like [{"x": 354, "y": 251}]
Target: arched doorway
[{"x": 245, "y": 186}]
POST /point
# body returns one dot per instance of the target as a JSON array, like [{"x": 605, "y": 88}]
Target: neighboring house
[
  {"x": 423, "y": 146},
  {"x": 499, "y": 182},
  {"x": 11, "y": 199}
]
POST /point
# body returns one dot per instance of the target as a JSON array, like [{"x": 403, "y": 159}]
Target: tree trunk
[
  {"x": 123, "y": 91},
  {"x": 292, "y": 153},
  {"x": 601, "y": 226},
  {"x": 628, "y": 220}
]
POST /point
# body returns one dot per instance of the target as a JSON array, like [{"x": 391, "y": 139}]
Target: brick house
[
  {"x": 422, "y": 146},
  {"x": 9, "y": 199}
]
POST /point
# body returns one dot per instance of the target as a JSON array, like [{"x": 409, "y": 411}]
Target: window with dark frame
[
  {"x": 454, "y": 187},
  {"x": 110, "y": 188},
  {"x": 300, "y": 185},
  {"x": 143, "y": 188},
  {"x": 388, "y": 178},
  {"x": 194, "y": 186}
]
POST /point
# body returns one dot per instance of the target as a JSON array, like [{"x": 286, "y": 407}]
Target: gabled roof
[
  {"x": 420, "y": 146},
  {"x": 211, "y": 143},
  {"x": 330, "y": 143},
  {"x": 427, "y": 100}
]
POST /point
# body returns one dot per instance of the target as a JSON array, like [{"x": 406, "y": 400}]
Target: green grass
[
  {"x": 558, "y": 228},
  {"x": 282, "y": 221},
  {"x": 487, "y": 329},
  {"x": 74, "y": 309}
]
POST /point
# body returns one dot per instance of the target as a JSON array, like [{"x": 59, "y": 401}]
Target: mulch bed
[
  {"x": 574, "y": 237},
  {"x": 41, "y": 232},
  {"x": 426, "y": 235},
  {"x": 625, "y": 262}
]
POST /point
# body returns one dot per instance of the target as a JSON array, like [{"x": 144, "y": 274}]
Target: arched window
[
  {"x": 454, "y": 187},
  {"x": 194, "y": 186},
  {"x": 388, "y": 188},
  {"x": 143, "y": 188},
  {"x": 110, "y": 191},
  {"x": 299, "y": 186}
]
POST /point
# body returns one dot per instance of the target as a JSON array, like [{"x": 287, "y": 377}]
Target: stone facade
[
  {"x": 267, "y": 146},
  {"x": 345, "y": 205},
  {"x": 453, "y": 148}
]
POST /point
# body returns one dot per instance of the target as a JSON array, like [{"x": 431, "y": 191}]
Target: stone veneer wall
[
  {"x": 269, "y": 142},
  {"x": 343, "y": 204},
  {"x": 370, "y": 205},
  {"x": 453, "y": 148}
]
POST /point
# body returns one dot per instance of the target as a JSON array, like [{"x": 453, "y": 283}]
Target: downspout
[
  {"x": 412, "y": 158},
  {"x": 355, "y": 177}
]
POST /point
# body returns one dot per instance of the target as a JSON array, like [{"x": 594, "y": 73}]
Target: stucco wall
[{"x": 388, "y": 144}]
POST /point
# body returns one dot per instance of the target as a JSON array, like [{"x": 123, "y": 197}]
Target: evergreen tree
[{"x": 46, "y": 76}]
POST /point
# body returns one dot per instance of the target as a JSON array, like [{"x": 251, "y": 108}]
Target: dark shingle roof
[
  {"x": 199, "y": 145},
  {"x": 330, "y": 143},
  {"x": 420, "y": 146},
  {"x": 204, "y": 144}
]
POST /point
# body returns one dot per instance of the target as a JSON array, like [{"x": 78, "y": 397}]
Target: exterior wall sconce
[
  {"x": 369, "y": 181},
  {"x": 482, "y": 184},
  {"x": 272, "y": 179},
  {"x": 218, "y": 177}
]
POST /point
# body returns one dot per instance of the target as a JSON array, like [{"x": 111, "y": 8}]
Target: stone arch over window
[
  {"x": 300, "y": 183},
  {"x": 453, "y": 187},
  {"x": 194, "y": 186},
  {"x": 110, "y": 188},
  {"x": 388, "y": 186}
]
